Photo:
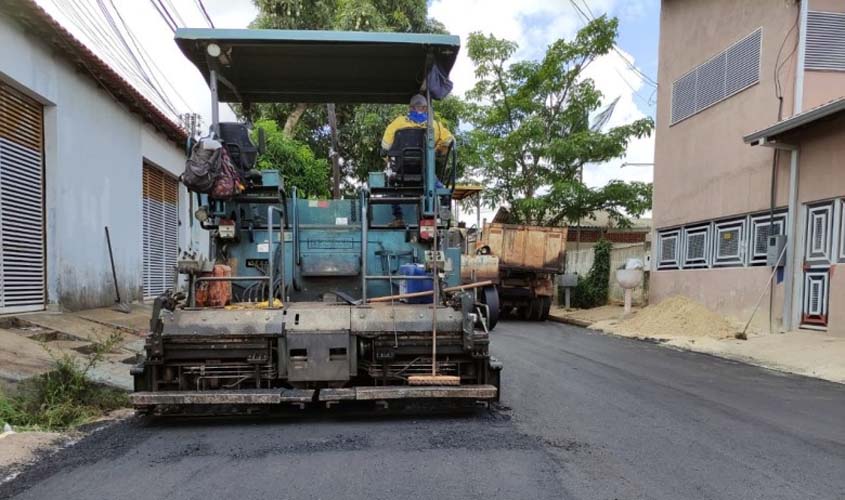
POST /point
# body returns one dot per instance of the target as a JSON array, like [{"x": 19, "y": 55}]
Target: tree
[
  {"x": 532, "y": 136},
  {"x": 302, "y": 169}
]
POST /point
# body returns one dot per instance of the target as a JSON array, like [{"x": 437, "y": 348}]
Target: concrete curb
[{"x": 570, "y": 321}]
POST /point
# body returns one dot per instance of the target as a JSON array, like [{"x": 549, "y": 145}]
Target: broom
[{"x": 119, "y": 305}]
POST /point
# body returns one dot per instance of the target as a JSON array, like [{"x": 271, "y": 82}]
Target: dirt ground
[
  {"x": 29, "y": 342},
  {"x": 17, "y": 449},
  {"x": 681, "y": 323}
]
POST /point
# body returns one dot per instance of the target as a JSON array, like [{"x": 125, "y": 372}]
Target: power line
[
  {"x": 165, "y": 17},
  {"x": 205, "y": 13},
  {"x": 149, "y": 62},
  {"x": 175, "y": 13},
  {"x": 588, "y": 17}
]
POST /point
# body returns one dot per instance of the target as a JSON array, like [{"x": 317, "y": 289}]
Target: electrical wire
[
  {"x": 165, "y": 17},
  {"x": 174, "y": 14},
  {"x": 205, "y": 13},
  {"x": 588, "y": 17}
]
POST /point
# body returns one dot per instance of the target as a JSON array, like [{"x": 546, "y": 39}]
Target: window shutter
[
  {"x": 825, "y": 41},
  {"x": 161, "y": 230},
  {"x": 669, "y": 249},
  {"x": 760, "y": 232},
  {"x": 696, "y": 246},
  {"x": 729, "y": 247},
  {"x": 22, "y": 270},
  {"x": 819, "y": 234},
  {"x": 728, "y": 72}
]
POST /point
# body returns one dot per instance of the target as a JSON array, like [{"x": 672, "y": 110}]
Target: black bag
[{"x": 202, "y": 168}]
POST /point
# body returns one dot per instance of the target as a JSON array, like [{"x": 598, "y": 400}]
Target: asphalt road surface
[{"x": 583, "y": 416}]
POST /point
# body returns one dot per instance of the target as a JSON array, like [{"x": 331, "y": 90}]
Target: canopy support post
[{"x": 215, "y": 103}]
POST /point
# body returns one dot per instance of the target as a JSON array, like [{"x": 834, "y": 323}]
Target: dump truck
[
  {"x": 524, "y": 260},
  {"x": 302, "y": 301}
]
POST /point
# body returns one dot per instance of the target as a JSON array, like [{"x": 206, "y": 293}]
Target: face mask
[{"x": 418, "y": 116}]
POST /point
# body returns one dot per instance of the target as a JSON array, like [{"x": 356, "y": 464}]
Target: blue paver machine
[{"x": 329, "y": 301}]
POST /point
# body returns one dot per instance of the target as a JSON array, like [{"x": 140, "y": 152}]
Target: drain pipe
[{"x": 790, "y": 277}]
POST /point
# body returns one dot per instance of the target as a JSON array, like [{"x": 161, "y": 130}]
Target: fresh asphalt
[{"x": 582, "y": 416}]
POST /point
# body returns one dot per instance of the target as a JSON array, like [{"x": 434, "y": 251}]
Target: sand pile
[{"x": 676, "y": 316}]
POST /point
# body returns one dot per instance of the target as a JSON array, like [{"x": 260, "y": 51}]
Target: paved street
[{"x": 583, "y": 416}]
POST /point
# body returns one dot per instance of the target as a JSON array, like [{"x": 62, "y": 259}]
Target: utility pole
[{"x": 334, "y": 154}]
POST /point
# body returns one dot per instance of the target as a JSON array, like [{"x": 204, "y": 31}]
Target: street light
[{"x": 634, "y": 164}]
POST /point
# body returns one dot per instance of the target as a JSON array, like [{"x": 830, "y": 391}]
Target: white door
[{"x": 22, "y": 270}]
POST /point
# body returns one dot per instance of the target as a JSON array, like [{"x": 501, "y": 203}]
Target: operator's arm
[
  {"x": 443, "y": 138},
  {"x": 390, "y": 134}
]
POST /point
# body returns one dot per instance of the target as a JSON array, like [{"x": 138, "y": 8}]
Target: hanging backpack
[
  {"x": 228, "y": 182},
  {"x": 203, "y": 166}
]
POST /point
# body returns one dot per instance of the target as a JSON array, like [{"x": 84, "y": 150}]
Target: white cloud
[{"x": 534, "y": 24}]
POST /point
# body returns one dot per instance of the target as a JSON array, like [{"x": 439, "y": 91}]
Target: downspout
[{"x": 792, "y": 269}]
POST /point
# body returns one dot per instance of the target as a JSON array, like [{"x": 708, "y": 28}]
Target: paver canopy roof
[{"x": 317, "y": 66}]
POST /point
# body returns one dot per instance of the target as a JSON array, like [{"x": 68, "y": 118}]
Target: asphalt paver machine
[{"x": 302, "y": 301}]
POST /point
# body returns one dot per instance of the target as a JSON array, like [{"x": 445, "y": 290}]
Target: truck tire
[
  {"x": 528, "y": 311},
  {"x": 490, "y": 296},
  {"x": 545, "y": 307},
  {"x": 537, "y": 309}
]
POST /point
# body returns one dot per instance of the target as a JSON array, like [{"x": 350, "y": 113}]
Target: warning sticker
[
  {"x": 341, "y": 221},
  {"x": 263, "y": 248}
]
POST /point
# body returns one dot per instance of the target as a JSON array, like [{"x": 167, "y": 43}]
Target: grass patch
[{"x": 63, "y": 397}]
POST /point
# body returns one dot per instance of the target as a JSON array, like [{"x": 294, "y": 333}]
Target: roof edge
[
  {"x": 805, "y": 118},
  {"x": 33, "y": 17}
]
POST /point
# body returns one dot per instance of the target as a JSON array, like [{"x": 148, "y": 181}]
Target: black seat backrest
[
  {"x": 407, "y": 154},
  {"x": 235, "y": 136}
]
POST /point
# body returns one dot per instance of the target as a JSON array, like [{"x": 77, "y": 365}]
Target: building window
[
  {"x": 161, "y": 230},
  {"x": 729, "y": 243},
  {"x": 669, "y": 249},
  {"x": 725, "y": 74},
  {"x": 819, "y": 234},
  {"x": 761, "y": 229},
  {"x": 825, "y": 41},
  {"x": 696, "y": 246}
]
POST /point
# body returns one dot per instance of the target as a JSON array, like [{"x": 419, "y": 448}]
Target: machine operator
[{"x": 417, "y": 117}]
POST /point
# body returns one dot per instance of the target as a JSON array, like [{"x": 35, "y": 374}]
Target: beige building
[{"x": 750, "y": 143}]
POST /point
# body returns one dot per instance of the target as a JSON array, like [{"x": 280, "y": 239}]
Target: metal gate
[
  {"x": 22, "y": 269},
  {"x": 161, "y": 230}
]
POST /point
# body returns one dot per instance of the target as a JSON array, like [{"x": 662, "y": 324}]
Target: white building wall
[{"x": 94, "y": 154}]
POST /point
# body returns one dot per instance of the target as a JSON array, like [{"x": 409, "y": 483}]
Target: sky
[{"x": 532, "y": 24}]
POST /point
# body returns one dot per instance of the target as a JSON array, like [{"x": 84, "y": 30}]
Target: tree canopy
[{"x": 531, "y": 133}]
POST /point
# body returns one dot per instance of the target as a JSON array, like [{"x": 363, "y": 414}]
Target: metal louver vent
[
  {"x": 743, "y": 63},
  {"x": 161, "y": 230},
  {"x": 729, "y": 244},
  {"x": 22, "y": 272},
  {"x": 819, "y": 234},
  {"x": 728, "y": 72},
  {"x": 825, "y": 41},
  {"x": 760, "y": 232},
  {"x": 710, "y": 86},
  {"x": 669, "y": 249},
  {"x": 816, "y": 295},
  {"x": 696, "y": 252},
  {"x": 683, "y": 97}
]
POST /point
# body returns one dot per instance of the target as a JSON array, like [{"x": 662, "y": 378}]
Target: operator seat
[{"x": 407, "y": 157}]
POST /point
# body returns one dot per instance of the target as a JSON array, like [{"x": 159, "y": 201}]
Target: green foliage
[
  {"x": 64, "y": 397},
  {"x": 532, "y": 135},
  {"x": 295, "y": 161},
  {"x": 592, "y": 289}
]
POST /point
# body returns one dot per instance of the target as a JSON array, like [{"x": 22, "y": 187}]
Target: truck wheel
[
  {"x": 537, "y": 309},
  {"x": 528, "y": 311},
  {"x": 546, "y": 305},
  {"x": 490, "y": 296}
]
